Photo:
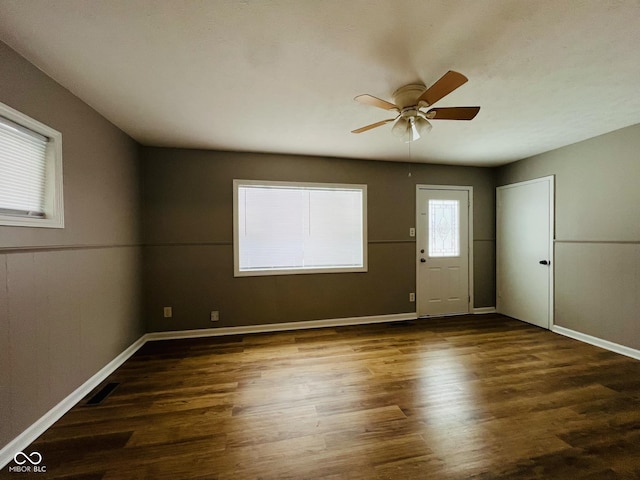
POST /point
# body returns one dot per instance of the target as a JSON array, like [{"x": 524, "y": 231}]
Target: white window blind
[
  {"x": 22, "y": 170},
  {"x": 299, "y": 228},
  {"x": 30, "y": 172}
]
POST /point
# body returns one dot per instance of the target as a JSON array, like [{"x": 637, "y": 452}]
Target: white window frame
[
  {"x": 296, "y": 270},
  {"x": 53, "y": 200}
]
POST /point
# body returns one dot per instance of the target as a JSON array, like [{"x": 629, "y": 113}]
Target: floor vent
[{"x": 102, "y": 394}]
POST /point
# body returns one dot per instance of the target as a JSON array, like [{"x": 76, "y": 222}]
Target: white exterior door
[
  {"x": 524, "y": 251},
  {"x": 443, "y": 253}
]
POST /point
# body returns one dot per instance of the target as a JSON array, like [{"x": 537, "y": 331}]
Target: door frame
[
  {"x": 469, "y": 190},
  {"x": 552, "y": 233}
]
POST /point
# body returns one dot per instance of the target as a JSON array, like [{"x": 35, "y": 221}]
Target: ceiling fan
[{"x": 411, "y": 122}]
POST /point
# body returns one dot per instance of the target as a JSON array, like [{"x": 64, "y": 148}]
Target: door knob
[
  {"x": 422, "y": 260},
  {"x": 544, "y": 262}
]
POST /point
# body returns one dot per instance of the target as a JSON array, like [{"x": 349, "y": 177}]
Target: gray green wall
[
  {"x": 597, "y": 246},
  {"x": 187, "y": 232},
  {"x": 69, "y": 298}
]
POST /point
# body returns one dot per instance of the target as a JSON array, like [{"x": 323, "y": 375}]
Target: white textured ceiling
[{"x": 280, "y": 75}]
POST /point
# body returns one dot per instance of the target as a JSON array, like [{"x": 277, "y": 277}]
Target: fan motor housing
[{"x": 408, "y": 95}]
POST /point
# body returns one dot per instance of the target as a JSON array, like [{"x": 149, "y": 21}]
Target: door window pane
[{"x": 444, "y": 228}]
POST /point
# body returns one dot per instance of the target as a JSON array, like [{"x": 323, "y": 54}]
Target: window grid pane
[{"x": 444, "y": 228}]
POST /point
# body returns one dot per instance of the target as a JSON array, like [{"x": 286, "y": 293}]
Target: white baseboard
[
  {"x": 482, "y": 310},
  {"x": 279, "y": 327},
  {"x": 598, "y": 342},
  {"x": 27, "y": 437}
]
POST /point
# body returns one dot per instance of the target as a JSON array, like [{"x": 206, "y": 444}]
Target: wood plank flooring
[{"x": 474, "y": 397}]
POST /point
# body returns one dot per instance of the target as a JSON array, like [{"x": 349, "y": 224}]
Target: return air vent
[{"x": 102, "y": 394}]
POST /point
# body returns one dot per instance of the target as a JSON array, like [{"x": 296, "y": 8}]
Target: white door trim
[
  {"x": 468, "y": 189},
  {"x": 552, "y": 207}
]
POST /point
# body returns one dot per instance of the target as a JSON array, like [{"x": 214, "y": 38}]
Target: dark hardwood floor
[{"x": 475, "y": 397}]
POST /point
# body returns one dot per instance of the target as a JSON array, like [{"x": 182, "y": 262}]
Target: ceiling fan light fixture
[
  {"x": 411, "y": 128},
  {"x": 423, "y": 125},
  {"x": 415, "y": 135},
  {"x": 411, "y": 133},
  {"x": 399, "y": 128}
]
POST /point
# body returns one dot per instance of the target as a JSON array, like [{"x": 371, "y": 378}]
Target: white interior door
[
  {"x": 524, "y": 251},
  {"x": 443, "y": 254}
]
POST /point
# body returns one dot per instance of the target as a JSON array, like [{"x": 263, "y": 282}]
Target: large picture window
[
  {"x": 287, "y": 228},
  {"x": 30, "y": 172}
]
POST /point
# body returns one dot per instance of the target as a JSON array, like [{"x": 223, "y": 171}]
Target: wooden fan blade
[
  {"x": 447, "y": 84},
  {"x": 373, "y": 125},
  {"x": 453, "y": 113},
  {"x": 376, "y": 102}
]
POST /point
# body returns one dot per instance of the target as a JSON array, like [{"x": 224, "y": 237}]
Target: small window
[
  {"x": 30, "y": 172},
  {"x": 287, "y": 228},
  {"x": 444, "y": 228}
]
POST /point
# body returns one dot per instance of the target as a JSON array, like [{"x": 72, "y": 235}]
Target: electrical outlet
[
  {"x": 412, "y": 232},
  {"x": 215, "y": 315},
  {"x": 412, "y": 297},
  {"x": 168, "y": 312}
]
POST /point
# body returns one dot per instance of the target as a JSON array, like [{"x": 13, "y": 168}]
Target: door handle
[
  {"x": 544, "y": 262},
  {"x": 422, "y": 260}
]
